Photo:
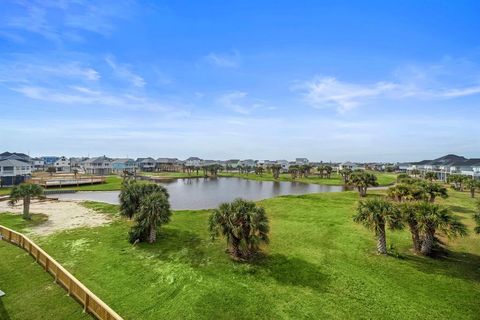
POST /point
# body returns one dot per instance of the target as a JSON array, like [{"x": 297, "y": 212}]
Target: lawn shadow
[
  {"x": 178, "y": 245},
  {"x": 459, "y": 209},
  {"x": 3, "y": 313},
  {"x": 293, "y": 271},
  {"x": 460, "y": 265}
]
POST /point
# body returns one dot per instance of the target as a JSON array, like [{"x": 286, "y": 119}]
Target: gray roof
[{"x": 12, "y": 163}]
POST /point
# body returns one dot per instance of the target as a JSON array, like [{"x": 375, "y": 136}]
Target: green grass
[
  {"x": 335, "y": 179},
  {"x": 101, "y": 207},
  {"x": 30, "y": 292},
  {"x": 5, "y": 191},
  {"x": 319, "y": 265}
]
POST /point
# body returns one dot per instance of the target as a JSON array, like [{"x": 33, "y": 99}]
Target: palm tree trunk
[
  {"x": 381, "y": 240},
  {"x": 26, "y": 208},
  {"x": 432, "y": 198},
  {"x": 152, "y": 237},
  {"x": 472, "y": 192},
  {"x": 417, "y": 243},
  {"x": 427, "y": 243}
]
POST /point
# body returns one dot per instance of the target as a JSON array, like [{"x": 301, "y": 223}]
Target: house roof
[
  {"x": 122, "y": 160},
  {"x": 11, "y": 162},
  {"x": 98, "y": 160}
]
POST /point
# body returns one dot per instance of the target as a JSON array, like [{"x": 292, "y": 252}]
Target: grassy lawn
[
  {"x": 5, "y": 191},
  {"x": 335, "y": 179},
  {"x": 319, "y": 265},
  {"x": 172, "y": 175},
  {"x": 30, "y": 291}
]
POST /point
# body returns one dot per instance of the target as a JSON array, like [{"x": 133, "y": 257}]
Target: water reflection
[{"x": 205, "y": 193}]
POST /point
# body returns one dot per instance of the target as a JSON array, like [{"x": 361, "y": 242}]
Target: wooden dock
[{"x": 66, "y": 182}]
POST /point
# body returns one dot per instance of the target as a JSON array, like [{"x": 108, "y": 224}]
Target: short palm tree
[
  {"x": 377, "y": 214},
  {"x": 133, "y": 192},
  {"x": 430, "y": 176},
  {"x": 433, "y": 190},
  {"x": 432, "y": 218},
  {"x": 25, "y": 192},
  {"x": 243, "y": 224},
  {"x": 154, "y": 211},
  {"x": 346, "y": 174},
  {"x": 472, "y": 185},
  {"x": 363, "y": 180}
]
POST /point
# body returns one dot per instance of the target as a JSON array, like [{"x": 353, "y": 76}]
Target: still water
[{"x": 206, "y": 193}]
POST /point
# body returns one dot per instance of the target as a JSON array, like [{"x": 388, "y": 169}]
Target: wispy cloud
[
  {"x": 324, "y": 92},
  {"x": 77, "y": 95},
  {"x": 237, "y": 102},
  {"x": 428, "y": 83},
  {"x": 224, "y": 60},
  {"x": 124, "y": 72},
  {"x": 64, "y": 20}
]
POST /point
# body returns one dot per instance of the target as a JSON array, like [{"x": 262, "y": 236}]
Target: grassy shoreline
[{"x": 319, "y": 265}]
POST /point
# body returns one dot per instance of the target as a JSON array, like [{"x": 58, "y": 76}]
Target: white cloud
[
  {"x": 225, "y": 60},
  {"x": 60, "y": 20},
  {"x": 430, "y": 83},
  {"x": 328, "y": 91},
  {"x": 236, "y": 101},
  {"x": 123, "y": 71},
  {"x": 82, "y": 95}
]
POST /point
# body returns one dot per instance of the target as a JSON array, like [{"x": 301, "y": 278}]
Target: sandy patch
[{"x": 62, "y": 215}]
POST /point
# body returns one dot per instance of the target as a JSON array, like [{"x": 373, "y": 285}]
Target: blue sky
[{"x": 327, "y": 80}]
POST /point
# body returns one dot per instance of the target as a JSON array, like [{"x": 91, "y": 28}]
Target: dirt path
[{"x": 62, "y": 215}]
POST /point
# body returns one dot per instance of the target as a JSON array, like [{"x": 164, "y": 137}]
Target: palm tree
[
  {"x": 328, "y": 171},
  {"x": 25, "y": 192},
  {"x": 243, "y": 224},
  {"x": 346, "y": 174},
  {"x": 293, "y": 170},
  {"x": 321, "y": 170},
  {"x": 363, "y": 180},
  {"x": 430, "y": 176},
  {"x": 476, "y": 217},
  {"x": 75, "y": 173},
  {"x": 276, "y": 171},
  {"x": 154, "y": 211},
  {"x": 133, "y": 192},
  {"x": 433, "y": 190},
  {"x": 457, "y": 180},
  {"x": 432, "y": 218},
  {"x": 400, "y": 192},
  {"x": 408, "y": 211},
  {"x": 376, "y": 214},
  {"x": 472, "y": 185}
]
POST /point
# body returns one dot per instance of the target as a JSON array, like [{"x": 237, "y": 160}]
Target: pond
[{"x": 207, "y": 193}]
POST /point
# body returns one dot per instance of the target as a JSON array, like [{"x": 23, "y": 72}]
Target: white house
[
  {"x": 301, "y": 161},
  {"x": 98, "y": 166},
  {"x": 13, "y": 172},
  {"x": 284, "y": 164},
  {"x": 193, "y": 162},
  {"x": 62, "y": 164}
]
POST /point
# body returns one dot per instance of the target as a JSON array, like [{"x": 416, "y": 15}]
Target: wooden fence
[{"x": 90, "y": 302}]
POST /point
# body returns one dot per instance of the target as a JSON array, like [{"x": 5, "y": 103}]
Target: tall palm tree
[
  {"x": 433, "y": 190},
  {"x": 432, "y": 218},
  {"x": 408, "y": 211},
  {"x": 133, "y": 192},
  {"x": 243, "y": 224},
  {"x": 25, "y": 192},
  {"x": 154, "y": 211},
  {"x": 377, "y": 214},
  {"x": 476, "y": 217},
  {"x": 363, "y": 180}
]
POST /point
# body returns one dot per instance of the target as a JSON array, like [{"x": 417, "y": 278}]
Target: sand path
[{"x": 62, "y": 215}]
